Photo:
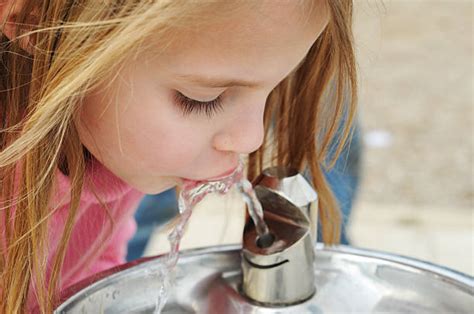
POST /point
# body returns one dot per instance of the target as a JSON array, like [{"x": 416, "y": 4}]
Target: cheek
[
  {"x": 95, "y": 131},
  {"x": 164, "y": 145},
  {"x": 160, "y": 139},
  {"x": 143, "y": 133}
]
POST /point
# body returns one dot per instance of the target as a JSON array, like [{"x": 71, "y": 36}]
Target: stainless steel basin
[{"x": 348, "y": 280}]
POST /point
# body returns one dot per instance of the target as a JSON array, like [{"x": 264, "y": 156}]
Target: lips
[{"x": 220, "y": 176}]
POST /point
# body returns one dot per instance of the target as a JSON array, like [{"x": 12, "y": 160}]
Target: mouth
[
  {"x": 214, "y": 178},
  {"x": 222, "y": 175}
]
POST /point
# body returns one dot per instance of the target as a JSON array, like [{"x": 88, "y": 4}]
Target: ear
[{"x": 9, "y": 11}]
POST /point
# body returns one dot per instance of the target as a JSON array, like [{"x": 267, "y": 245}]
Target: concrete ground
[{"x": 416, "y": 108}]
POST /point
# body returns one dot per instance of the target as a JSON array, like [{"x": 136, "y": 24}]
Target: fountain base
[{"x": 348, "y": 280}]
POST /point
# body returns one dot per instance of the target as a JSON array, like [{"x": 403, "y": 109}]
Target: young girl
[{"x": 105, "y": 100}]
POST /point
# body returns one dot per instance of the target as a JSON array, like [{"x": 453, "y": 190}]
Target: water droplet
[{"x": 115, "y": 294}]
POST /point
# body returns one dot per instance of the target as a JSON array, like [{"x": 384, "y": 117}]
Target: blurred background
[
  {"x": 415, "y": 196},
  {"x": 416, "y": 111}
]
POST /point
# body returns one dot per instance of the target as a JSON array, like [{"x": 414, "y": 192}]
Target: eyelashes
[{"x": 190, "y": 106}]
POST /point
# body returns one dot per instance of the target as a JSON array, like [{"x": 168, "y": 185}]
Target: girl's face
[{"x": 192, "y": 110}]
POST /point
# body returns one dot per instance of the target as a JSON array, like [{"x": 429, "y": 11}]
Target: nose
[{"x": 243, "y": 133}]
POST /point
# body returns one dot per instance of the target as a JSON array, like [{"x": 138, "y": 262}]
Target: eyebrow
[{"x": 217, "y": 82}]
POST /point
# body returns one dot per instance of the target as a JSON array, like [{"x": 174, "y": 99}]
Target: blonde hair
[{"x": 77, "y": 44}]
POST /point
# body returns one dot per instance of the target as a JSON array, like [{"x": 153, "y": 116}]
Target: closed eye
[{"x": 189, "y": 105}]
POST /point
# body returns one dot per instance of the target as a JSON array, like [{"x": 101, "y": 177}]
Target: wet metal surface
[{"x": 348, "y": 280}]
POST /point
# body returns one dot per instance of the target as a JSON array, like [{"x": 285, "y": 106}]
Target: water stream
[{"x": 192, "y": 193}]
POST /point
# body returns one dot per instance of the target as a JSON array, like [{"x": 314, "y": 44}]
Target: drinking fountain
[{"x": 280, "y": 272}]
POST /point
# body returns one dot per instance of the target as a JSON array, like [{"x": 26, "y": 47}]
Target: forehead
[{"x": 264, "y": 35}]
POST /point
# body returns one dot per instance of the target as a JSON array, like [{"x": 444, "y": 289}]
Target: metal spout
[{"x": 282, "y": 273}]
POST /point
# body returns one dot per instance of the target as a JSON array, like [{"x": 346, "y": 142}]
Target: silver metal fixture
[
  {"x": 282, "y": 273},
  {"x": 350, "y": 281}
]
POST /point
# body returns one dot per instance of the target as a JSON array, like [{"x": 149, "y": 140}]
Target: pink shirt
[{"x": 93, "y": 246}]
